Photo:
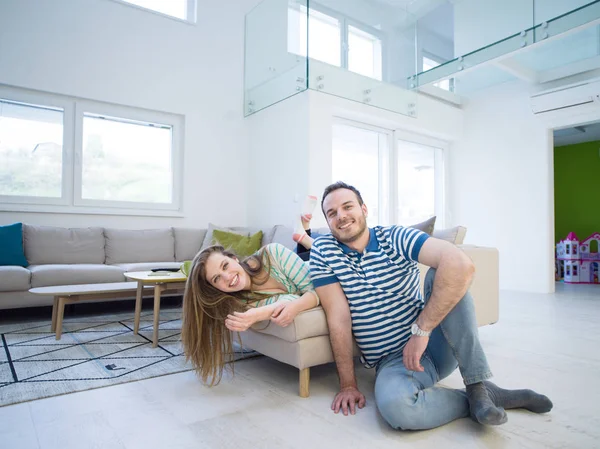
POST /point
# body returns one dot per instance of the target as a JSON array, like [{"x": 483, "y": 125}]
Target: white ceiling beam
[{"x": 514, "y": 68}]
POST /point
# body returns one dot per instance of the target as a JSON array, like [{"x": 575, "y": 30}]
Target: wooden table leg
[
  {"x": 54, "y": 312},
  {"x": 138, "y": 307},
  {"x": 157, "y": 292},
  {"x": 59, "y": 316}
]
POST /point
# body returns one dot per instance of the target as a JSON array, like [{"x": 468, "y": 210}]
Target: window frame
[
  {"x": 36, "y": 99},
  {"x": 71, "y": 201},
  {"x": 345, "y": 24},
  {"x": 191, "y": 11},
  {"x": 440, "y": 187},
  {"x": 384, "y": 217},
  {"x": 390, "y": 216}
]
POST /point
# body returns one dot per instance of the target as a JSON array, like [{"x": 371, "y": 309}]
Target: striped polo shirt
[{"x": 381, "y": 284}]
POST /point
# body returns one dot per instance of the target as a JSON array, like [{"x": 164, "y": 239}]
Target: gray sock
[
  {"x": 483, "y": 409},
  {"x": 527, "y": 399}
]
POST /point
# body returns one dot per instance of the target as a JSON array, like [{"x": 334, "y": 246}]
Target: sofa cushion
[
  {"x": 146, "y": 266},
  {"x": 310, "y": 323},
  {"x": 48, "y": 244},
  {"x": 425, "y": 226},
  {"x": 208, "y": 237},
  {"x": 454, "y": 235},
  {"x": 62, "y": 274},
  {"x": 240, "y": 244},
  {"x": 283, "y": 235},
  {"x": 11, "y": 242},
  {"x": 188, "y": 242},
  {"x": 146, "y": 245},
  {"x": 14, "y": 278},
  {"x": 268, "y": 233}
]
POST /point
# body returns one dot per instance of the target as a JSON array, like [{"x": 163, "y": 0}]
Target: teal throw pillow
[{"x": 11, "y": 245}]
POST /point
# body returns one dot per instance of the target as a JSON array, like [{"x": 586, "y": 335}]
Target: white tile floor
[{"x": 547, "y": 342}]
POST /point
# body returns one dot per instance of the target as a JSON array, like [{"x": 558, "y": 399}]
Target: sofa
[
  {"x": 68, "y": 256},
  {"x": 64, "y": 256}
]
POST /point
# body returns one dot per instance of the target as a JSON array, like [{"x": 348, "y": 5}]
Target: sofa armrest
[{"x": 485, "y": 287}]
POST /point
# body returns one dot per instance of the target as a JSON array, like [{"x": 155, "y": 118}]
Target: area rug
[{"x": 94, "y": 351}]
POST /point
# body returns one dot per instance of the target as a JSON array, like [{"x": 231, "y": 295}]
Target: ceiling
[{"x": 577, "y": 134}]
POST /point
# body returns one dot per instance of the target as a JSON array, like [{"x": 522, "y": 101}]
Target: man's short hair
[{"x": 341, "y": 185}]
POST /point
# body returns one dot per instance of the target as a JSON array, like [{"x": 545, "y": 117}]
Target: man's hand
[
  {"x": 413, "y": 351},
  {"x": 239, "y": 322},
  {"x": 346, "y": 399},
  {"x": 284, "y": 313}
]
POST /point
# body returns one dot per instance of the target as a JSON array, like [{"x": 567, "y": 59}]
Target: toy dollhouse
[{"x": 578, "y": 262}]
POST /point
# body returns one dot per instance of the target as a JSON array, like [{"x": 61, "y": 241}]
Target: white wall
[
  {"x": 278, "y": 162},
  {"x": 503, "y": 185},
  {"x": 108, "y": 51}
]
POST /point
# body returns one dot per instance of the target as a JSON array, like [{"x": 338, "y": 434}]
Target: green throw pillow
[
  {"x": 186, "y": 266},
  {"x": 240, "y": 244}
]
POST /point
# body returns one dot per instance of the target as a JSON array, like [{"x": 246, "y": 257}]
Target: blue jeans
[{"x": 409, "y": 400}]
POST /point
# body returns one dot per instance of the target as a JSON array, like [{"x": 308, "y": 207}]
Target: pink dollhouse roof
[
  {"x": 571, "y": 237},
  {"x": 594, "y": 236}
]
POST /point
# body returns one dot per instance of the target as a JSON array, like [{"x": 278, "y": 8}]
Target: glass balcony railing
[
  {"x": 338, "y": 47},
  {"x": 383, "y": 52},
  {"x": 496, "y": 41}
]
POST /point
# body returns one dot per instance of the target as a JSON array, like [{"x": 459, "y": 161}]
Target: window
[
  {"x": 364, "y": 53},
  {"x": 335, "y": 39},
  {"x": 360, "y": 158},
  {"x": 416, "y": 182},
  {"x": 430, "y": 63},
  {"x": 574, "y": 270},
  {"x": 127, "y": 161},
  {"x": 31, "y": 151},
  {"x": 400, "y": 175},
  {"x": 68, "y": 155},
  {"x": 180, "y": 9},
  {"x": 324, "y": 35}
]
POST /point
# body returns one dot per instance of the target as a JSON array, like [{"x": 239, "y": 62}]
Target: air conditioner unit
[{"x": 574, "y": 96}]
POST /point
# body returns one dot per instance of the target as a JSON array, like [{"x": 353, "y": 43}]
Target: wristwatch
[{"x": 416, "y": 330}]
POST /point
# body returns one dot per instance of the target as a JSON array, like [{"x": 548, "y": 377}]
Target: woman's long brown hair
[{"x": 206, "y": 340}]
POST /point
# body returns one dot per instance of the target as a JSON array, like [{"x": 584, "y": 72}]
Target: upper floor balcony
[{"x": 385, "y": 52}]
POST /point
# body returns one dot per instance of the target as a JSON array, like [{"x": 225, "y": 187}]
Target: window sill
[{"x": 80, "y": 210}]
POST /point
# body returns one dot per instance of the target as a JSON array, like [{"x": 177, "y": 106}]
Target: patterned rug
[{"x": 94, "y": 351}]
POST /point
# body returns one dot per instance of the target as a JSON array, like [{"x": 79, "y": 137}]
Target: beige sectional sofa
[{"x": 61, "y": 256}]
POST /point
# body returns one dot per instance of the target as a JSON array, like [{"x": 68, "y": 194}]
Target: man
[{"x": 368, "y": 283}]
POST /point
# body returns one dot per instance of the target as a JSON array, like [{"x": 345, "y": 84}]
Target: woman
[{"x": 223, "y": 294}]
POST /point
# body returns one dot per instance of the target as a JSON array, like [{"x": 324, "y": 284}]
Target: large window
[
  {"x": 335, "y": 39},
  {"x": 180, "y": 9},
  {"x": 80, "y": 156},
  {"x": 31, "y": 150},
  {"x": 360, "y": 157},
  {"x": 418, "y": 173},
  {"x": 401, "y": 176}
]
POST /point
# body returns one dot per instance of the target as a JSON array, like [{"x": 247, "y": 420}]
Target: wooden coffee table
[
  {"x": 162, "y": 282},
  {"x": 68, "y": 294}
]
